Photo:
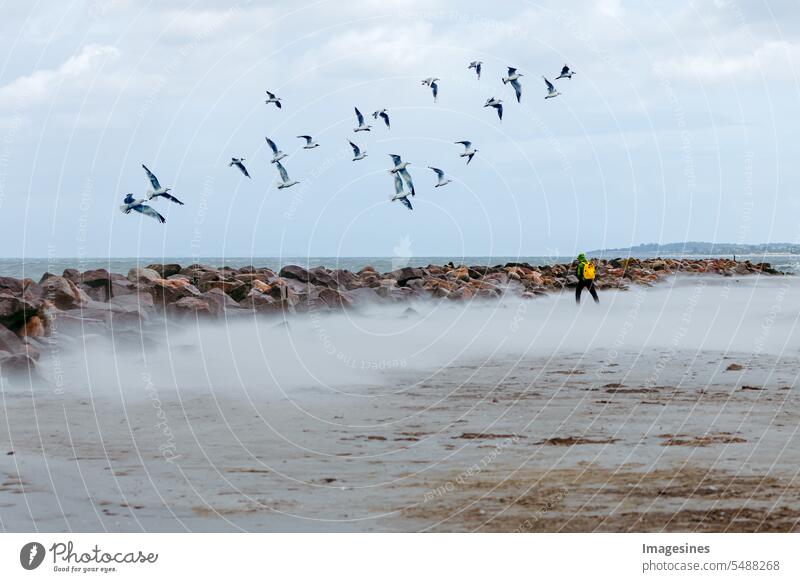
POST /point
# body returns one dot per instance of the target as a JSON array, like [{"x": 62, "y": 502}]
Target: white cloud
[
  {"x": 40, "y": 85},
  {"x": 772, "y": 60}
]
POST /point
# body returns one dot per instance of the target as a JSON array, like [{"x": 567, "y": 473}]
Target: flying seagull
[
  {"x": 277, "y": 155},
  {"x": 440, "y": 175},
  {"x": 477, "y": 66},
  {"x": 285, "y": 181},
  {"x": 158, "y": 191},
  {"x": 468, "y": 150},
  {"x": 513, "y": 78},
  {"x": 361, "y": 125},
  {"x": 271, "y": 98},
  {"x": 399, "y": 194},
  {"x": 431, "y": 82},
  {"x": 565, "y": 73},
  {"x": 359, "y": 155},
  {"x": 551, "y": 90},
  {"x": 400, "y": 168},
  {"x": 310, "y": 143},
  {"x": 383, "y": 114},
  {"x": 130, "y": 204},
  {"x": 238, "y": 163},
  {"x": 497, "y": 104}
]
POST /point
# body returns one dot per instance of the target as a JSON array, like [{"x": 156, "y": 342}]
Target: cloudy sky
[{"x": 681, "y": 124}]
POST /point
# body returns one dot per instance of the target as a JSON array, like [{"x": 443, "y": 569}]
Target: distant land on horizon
[{"x": 705, "y": 248}]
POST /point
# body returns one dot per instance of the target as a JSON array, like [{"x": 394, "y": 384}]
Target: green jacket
[{"x": 581, "y": 263}]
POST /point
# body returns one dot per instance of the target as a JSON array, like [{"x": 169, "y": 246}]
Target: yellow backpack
[{"x": 588, "y": 271}]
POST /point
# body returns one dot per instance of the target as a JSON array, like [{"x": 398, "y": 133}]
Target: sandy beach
[{"x": 669, "y": 408}]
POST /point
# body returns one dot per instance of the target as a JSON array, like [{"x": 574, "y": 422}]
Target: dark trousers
[{"x": 588, "y": 285}]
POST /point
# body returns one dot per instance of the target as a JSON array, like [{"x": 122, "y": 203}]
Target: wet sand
[{"x": 677, "y": 433}]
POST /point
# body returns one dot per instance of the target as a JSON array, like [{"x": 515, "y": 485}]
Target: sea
[{"x": 34, "y": 268}]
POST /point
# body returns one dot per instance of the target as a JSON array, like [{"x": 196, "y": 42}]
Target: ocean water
[{"x": 34, "y": 268}]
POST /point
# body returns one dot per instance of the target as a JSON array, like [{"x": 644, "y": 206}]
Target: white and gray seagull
[
  {"x": 361, "y": 125},
  {"x": 513, "y": 78},
  {"x": 285, "y": 181},
  {"x": 442, "y": 181},
  {"x": 551, "y": 89},
  {"x": 383, "y": 114},
  {"x": 158, "y": 191},
  {"x": 468, "y": 150},
  {"x": 400, "y": 167},
  {"x": 272, "y": 98},
  {"x": 431, "y": 82},
  {"x": 131, "y": 204},
  {"x": 277, "y": 155},
  {"x": 565, "y": 73},
  {"x": 238, "y": 163},
  {"x": 497, "y": 104},
  {"x": 310, "y": 143},
  {"x": 399, "y": 194},
  {"x": 357, "y": 152},
  {"x": 477, "y": 66}
]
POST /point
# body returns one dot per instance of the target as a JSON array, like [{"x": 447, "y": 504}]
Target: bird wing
[
  {"x": 356, "y": 150},
  {"x": 359, "y": 116},
  {"x": 153, "y": 179},
  {"x": 278, "y": 103},
  {"x": 517, "y": 89},
  {"x": 398, "y": 185},
  {"x": 282, "y": 171},
  {"x": 564, "y": 70},
  {"x": 148, "y": 211},
  {"x": 478, "y": 70},
  {"x": 469, "y": 158},
  {"x": 499, "y": 107},
  {"x": 270, "y": 95},
  {"x": 550, "y": 86},
  {"x": 435, "y": 89},
  {"x": 272, "y": 145},
  {"x": 466, "y": 144},
  {"x": 407, "y": 179},
  {"x": 305, "y": 137},
  {"x": 396, "y": 159},
  {"x": 406, "y": 202},
  {"x": 385, "y": 118},
  {"x": 171, "y": 197},
  {"x": 439, "y": 172},
  {"x": 240, "y": 165}
]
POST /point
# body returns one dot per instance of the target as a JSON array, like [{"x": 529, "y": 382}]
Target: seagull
[
  {"x": 382, "y": 113},
  {"x": 310, "y": 143},
  {"x": 440, "y": 175},
  {"x": 431, "y": 82},
  {"x": 238, "y": 163},
  {"x": 551, "y": 90},
  {"x": 468, "y": 151},
  {"x": 361, "y": 125},
  {"x": 141, "y": 207},
  {"x": 400, "y": 168},
  {"x": 359, "y": 155},
  {"x": 277, "y": 155},
  {"x": 565, "y": 73},
  {"x": 477, "y": 66},
  {"x": 497, "y": 104},
  {"x": 399, "y": 194},
  {"x": 273, "y": 99},
  {"x": 285, "y": 181},
  {"x": 157, "y": 190},
  {"x": 513, "y": 78}
]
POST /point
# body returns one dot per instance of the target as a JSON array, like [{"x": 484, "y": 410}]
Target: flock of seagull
[{"x": 403, "y": 183}]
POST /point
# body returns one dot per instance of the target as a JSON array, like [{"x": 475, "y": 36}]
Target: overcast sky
[{"x": 681, "y": 124}]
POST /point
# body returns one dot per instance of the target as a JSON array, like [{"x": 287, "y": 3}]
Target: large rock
[
  {"x": 168, "y": 291},
  {"x": 98, "y": 284},
  {"x": 143, "y": 275},
  {"x": 320, "y": 276},
  {"x": 63, "y": 293},
  {"x": 219, "y": 301},
  {"x": 10, "y": 285},
  {"x": 165, "y": 270},
  {"x": 14, "y": 311},
  {"x": 402, "y": 276},
  {"x": 197, "y": 306},
  {"x": 294, "y": 272}
]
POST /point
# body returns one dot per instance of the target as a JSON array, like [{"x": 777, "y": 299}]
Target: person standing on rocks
[{"x": 585, "y": 274}]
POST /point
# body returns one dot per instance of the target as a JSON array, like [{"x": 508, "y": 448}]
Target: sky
[{"x": 680, "y": 124}]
